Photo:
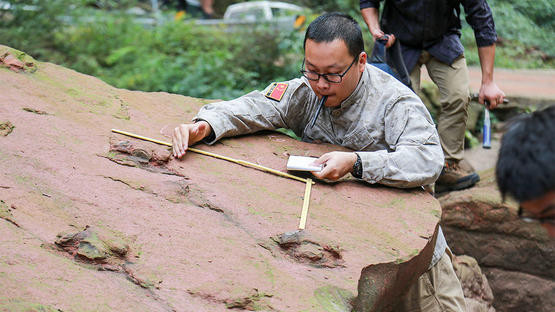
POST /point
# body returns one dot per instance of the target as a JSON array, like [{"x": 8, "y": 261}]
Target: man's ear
[{"x": 362, "y": 61}]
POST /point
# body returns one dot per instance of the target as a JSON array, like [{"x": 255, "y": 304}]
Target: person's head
[
  {"x": 333, "y": 45},
  {"x": 526, "y": 166}
]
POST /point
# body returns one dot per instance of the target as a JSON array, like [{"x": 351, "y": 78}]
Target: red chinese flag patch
[{"x": 277, "y": 90}]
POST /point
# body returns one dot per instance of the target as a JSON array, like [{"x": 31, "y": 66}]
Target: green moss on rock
[
  {"x": 16, "y": 305},
  {"x": 334, "y": 299}
]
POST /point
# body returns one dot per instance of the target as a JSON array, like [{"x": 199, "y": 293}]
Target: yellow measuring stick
[
  {"x": 306, "y": 200},
  {"x": 238, "y": 161}
]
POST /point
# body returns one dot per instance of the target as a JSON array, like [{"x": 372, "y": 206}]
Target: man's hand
[
  {"x": 336, "y": 165},
  {"x": 188, "y": 134},
  {"x": 370, "y": 16},
  {"x": 390, "y": 38},
  {"x": 489, "y": 90},
  {"x": 491, "y": 93}
]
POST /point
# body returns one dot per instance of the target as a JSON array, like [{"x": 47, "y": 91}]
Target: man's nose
[{"x": 322, "y": 83}]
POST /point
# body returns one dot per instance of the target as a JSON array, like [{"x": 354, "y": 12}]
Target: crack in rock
[
  {"x": 132, "y": 276},
  {"x": 303, "y": 249},
  {"x": 130, "y": 184},
  {"x": 196, "y": 196},
  {"x": 6, "y": 213},
  {"x": 123, "y": 112},
  {"x": 35, "y": 111},
  {"x": 252, "y": 301}
]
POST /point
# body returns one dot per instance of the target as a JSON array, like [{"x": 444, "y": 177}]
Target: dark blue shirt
[{"x": 434, "y": 26}]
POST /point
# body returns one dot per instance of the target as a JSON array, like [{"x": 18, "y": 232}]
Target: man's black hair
[
  {"x": 526, "y": 163},
  {"x": 335, "y": 25}
]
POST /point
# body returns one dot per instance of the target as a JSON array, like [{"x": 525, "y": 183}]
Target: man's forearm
[
  {"x": 489, "y": 91},
  {"x": 487, "y": 59},
  {"x": 371, "y": 17}
]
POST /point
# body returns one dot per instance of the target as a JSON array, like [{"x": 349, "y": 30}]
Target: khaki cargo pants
[
  {"x": 454, "y": 84},
  {"x": 437, "y": 290}
]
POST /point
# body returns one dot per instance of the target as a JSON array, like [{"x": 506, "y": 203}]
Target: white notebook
[{"x": 303, "y": 163}]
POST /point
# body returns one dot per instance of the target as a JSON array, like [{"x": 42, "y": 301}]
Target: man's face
[
  {"x": 542, "y": 208},
  {"x": 333, "y": 58}
]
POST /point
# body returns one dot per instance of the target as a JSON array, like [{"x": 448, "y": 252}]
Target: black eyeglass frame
[
  {"x": 304, "y": 72},
  {"x": 529, "y": 219}
]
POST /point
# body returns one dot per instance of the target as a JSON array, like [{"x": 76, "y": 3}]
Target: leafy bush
[
  {"x": 524, "y": 29},
  {"x": 177, "y": 56}
]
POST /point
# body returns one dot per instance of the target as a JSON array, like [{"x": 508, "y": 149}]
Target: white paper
[{"x": 303, "y": 163}]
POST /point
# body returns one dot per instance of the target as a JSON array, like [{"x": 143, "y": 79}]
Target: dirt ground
[
  {"x": 533, "y": 84},
  {"x": 515, "y": 83}
]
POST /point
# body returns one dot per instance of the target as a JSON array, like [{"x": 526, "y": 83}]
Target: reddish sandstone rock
[
  {"x": 17, "y": 63},
  {"x": 476, "y": 222},
  {"x": 516, "y": 291},
  {"x": 205, "y": 233},
  {"x": 477, "y": 292}
]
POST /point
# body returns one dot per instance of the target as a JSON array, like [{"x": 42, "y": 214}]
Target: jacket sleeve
[
  {"x": 364, "y": 4},
  {"x": 255, "y": 112},
  {"x": 479, "y": 17},
  {"x": 415, "y": 157}
]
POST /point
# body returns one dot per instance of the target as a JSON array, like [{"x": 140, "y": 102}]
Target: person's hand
[
  {"x": 491, "y": 93},
  {"x": 336, "y": 165},
  {"x": 379, "y": 34},
  {"x": 188, "y": 134}
]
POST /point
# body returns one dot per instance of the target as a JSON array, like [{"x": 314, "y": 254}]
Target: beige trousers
[
  {"x": 454, "y": 84},
  {"x": 438, "y": 290}
]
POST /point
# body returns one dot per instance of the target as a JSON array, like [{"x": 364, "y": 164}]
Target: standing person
[
  {"x": 526, "y": 167},
  {"x": 342, "y": 100},
  {"x": 429, "y": 33}
]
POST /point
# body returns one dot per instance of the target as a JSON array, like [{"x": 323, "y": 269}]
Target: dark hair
[
  {"x": 526, "y": 163},
  {"x": 331, "y": 26}
]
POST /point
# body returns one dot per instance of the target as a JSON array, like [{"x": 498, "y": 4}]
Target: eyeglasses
[
  {"x": 531, "y": 219},
  {"x": 333, "y": 78}
]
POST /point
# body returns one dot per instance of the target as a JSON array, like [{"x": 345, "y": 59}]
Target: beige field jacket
[{"x": 382, "y": 120}]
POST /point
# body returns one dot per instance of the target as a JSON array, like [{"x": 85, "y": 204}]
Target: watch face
[{"x": 357, "y": 167}]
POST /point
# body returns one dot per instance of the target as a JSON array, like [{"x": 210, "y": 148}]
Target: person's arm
[
  {"x": 248, "y": 114},
  {"x": 480, "y": 18},
  {"x": 254, "y": 112},
  {"x": 415, "y": 157},
  {"x": 488, "y": 89},
  {"x": 371, "y": 15}
]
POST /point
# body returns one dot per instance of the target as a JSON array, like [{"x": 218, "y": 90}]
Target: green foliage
[
  {"x": 176, "y": 56},
  {"x": 539, "y": 12},
  {"x": 525, "y": 30},
  {"x": 32, "y": 31},
  {"x": 97, "y": 37}
]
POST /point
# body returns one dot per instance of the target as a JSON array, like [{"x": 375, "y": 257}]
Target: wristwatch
[{"x": 357, "y": 168}]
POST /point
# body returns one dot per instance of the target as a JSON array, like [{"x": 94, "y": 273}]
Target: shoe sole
[{"x": 469, "y": 181}]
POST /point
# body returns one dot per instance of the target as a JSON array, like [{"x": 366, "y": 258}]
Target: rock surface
[
  {"x": 478, "y": 223},
  {"x": 477, "y": 292},
  {"x": 95, "y": 221}
]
